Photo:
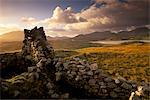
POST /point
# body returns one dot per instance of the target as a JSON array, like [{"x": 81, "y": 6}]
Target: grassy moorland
[{"x": 129, "y": 61}]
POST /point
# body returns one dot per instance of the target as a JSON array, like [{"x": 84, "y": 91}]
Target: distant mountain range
[
  {"x": 19, "y": 36},
  {"x": 141, "y": 33},
  {"x": 57, "y": 38}
]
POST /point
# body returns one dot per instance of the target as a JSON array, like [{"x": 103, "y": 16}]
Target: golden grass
[
  {"x": 133, "y": 48},
  {"x": 131, "y": 61}
]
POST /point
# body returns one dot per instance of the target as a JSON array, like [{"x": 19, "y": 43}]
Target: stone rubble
[{"x": 89, "y": 78}]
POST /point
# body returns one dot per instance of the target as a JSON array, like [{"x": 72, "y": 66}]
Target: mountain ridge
[
  {"x": 19, "y": 36},
  {"x": 138, "y": 33},
  {"x": 141, "y": 33}
]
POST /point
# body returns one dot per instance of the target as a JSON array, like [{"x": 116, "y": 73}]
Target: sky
[{"x": 72, "y": 17}]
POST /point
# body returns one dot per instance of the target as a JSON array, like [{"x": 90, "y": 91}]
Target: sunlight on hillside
[{"x": 134, "y": 48}]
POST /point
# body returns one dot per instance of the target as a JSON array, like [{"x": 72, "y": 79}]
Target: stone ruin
[{"x": 37, "y": 73}]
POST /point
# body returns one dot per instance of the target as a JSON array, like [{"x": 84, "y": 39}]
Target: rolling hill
[
  {"x": 138, "y": 33},
  {"x": 19, "y": 36},
  {"x": 12, "y": 36},
  {"x": 95, "y": 36},
  {"x": 141, "y": 33}
]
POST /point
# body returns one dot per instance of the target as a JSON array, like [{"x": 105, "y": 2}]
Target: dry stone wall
[
  {"x": 36, "y": 46},
  {"x": 12, "y": 64},
  {"x": 35, "y": 82},
  {"x": 91, "y": 80},
  {"x": 50, "y": 77}
]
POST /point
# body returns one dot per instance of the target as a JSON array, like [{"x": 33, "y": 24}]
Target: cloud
[
  {"x": 131, "y": 28},
  {"x": 65, "y": 16},
  {"x": 106, "y": 1},
  {"x": 29, "y": 20},
  {"x": 92, "y": 24},
  {"x": 8, "y": 28},
  {"x": 100, "y": 16},
  {"x": 57, "y": 29},
  {"x": 58, "y": 21},
  {"x": 68, "y": 20},
  {"x": 60, "y": 33},
  {"x": 113, "y": 14}
]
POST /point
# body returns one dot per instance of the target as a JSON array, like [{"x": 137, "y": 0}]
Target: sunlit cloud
[
  {"x": 29, "y": 20},
  {"x": 107, "y": 1},
  {"x": 100, "y": 16},
  {"x": 65, "y": 16},
  {"x": 91, "y": 25}
]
